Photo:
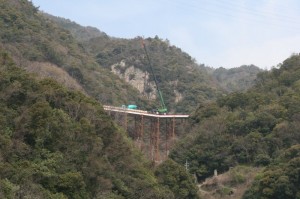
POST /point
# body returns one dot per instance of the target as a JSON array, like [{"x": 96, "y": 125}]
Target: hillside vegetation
[
  {"x": 183, "y": 82},
  {"x": 34, "y": 40},
  {"x": 79, "y": 32},
  {"x": 258, "y": 128},
  {"x": 236, "y": 79},
  {"x": 229, "y": 185},
  {"x": 57, "y": 143}
]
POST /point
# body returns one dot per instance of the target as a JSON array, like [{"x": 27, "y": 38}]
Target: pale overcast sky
[{"x": 227, "y": 33}]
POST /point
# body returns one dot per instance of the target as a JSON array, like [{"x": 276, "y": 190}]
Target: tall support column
[
  {"x": 173, "y": 131},
  {"x": 142, "y": 133},
  {"x": 156, "y": 141},
  {"x": 136, "y": 129},
  {"x": 139, "y": 131},
  {"x": 167, "y": 138},
  {"x": 125, "y": 122},
  {"x": 147, "y": 134},
  {"x": 170, "y": 135},
  {"x": 152, "y": 143}
]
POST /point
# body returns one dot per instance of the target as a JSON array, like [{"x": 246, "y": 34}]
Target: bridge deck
[{"x": 141, "y": 112}]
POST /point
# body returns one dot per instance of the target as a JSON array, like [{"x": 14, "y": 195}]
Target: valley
[{"x": 82, "y": 117}]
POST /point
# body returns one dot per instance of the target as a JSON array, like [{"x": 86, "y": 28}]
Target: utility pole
[{"x": 186, "y": 165}]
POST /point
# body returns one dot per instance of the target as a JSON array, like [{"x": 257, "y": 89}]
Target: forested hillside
[
  {"x": 57, "y": 143},
  {"x": 256, "y": 128},
  {"x": 80, "y": 33},
  {"x": 42, "y": 47},
  {"x": 183, "y": 82},
  {"x": 86, "y": 59},
  {"x": 235, "y": 79}
]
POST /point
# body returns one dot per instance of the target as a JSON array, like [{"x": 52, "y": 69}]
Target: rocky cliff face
[
  {"x": 141, "y": 80},
  {"x": 136, "y": 77}
]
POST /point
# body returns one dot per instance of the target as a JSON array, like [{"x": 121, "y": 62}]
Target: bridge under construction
[{"x": 153, "y": 134}]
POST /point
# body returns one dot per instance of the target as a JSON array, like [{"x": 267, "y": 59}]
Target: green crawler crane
[{"x": 163, "y": 109}]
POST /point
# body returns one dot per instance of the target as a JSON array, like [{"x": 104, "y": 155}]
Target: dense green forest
[
  {"x": 235, "y": 79},
  {"x": 259, "y": 128},
  {"x": 57, "y": 143},
  {"x": 79, "y": 32},
  {"x": 42, "y": 47}
]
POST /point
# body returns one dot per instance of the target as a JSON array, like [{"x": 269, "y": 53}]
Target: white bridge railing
[{"x": 141, "y": 112}]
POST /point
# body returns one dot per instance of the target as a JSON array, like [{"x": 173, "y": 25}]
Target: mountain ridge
[{"x": 112, "y": 53}]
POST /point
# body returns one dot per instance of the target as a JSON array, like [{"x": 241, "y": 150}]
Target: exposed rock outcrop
[{"x": 141, "y": 81}]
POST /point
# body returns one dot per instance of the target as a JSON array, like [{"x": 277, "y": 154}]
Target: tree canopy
[
  {"x": 56, "y": 143},
  {"x": 251, "y": 128}
]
